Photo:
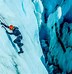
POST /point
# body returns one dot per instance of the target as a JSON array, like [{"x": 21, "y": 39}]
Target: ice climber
[{"x": 17, "y": 33}]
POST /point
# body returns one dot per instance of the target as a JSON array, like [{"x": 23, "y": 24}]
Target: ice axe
[{"x": 4, "y": 28}]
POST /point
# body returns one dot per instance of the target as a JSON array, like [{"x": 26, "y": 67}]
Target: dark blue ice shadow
[
  {"x": 23, "y": 8},
  {"x": 43, "y": 61}
]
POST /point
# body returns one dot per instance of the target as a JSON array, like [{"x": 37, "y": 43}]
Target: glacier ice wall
[
  {"x": 21, "y": 13},
  {"x": 58, "y": 22}
]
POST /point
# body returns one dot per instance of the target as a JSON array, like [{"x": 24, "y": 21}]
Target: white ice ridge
[{"x": 59, "y": 12}]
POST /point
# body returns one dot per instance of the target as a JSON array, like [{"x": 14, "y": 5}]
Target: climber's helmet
[{"x": 11, "y": 27}]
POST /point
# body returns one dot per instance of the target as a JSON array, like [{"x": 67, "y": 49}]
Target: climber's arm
[
  {"x": 4, "y": 25},
  {"x": 11, "y": 33}
]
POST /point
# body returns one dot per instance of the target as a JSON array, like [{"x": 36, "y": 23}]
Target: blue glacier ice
[
  {"x": 46, "y": 27},
  {"x": 56, "y": 36}
]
